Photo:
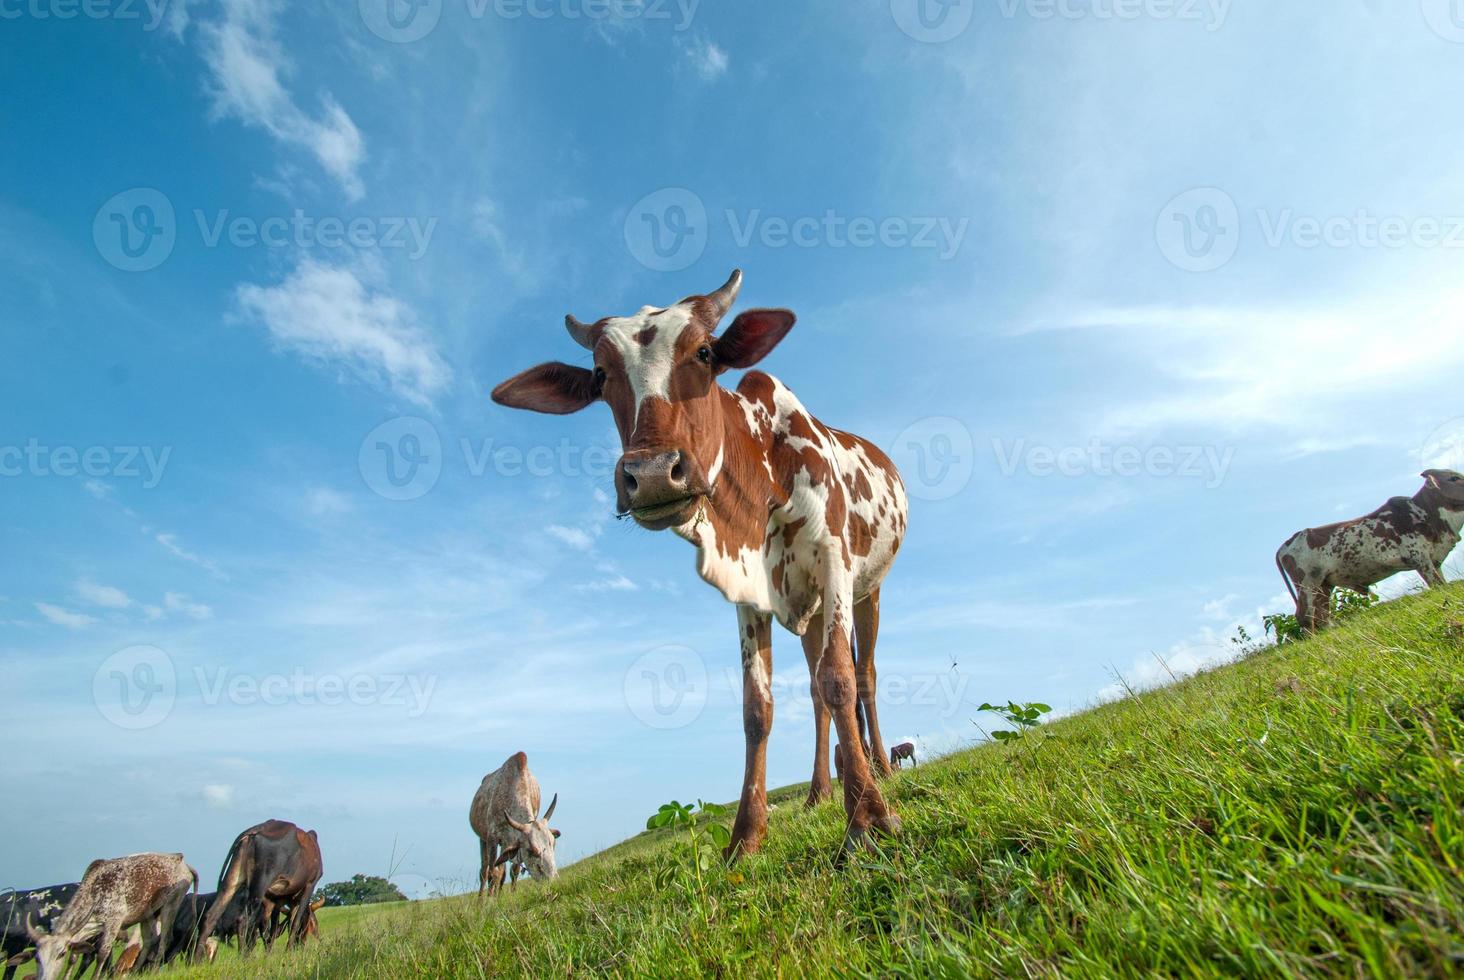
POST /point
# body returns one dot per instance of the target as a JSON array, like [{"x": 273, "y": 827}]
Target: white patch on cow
[
  {"x": 648, "y": 367},
  {"x": 716, "y": 469}
]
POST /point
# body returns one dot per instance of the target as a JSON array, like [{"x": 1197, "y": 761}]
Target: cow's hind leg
[
  {"x": 755, "y": 630},
  {"x": 866, "y": 631},
  {"x": 863, "y": 801},
  {"x": 300, "y": 919},
  {"x": 485, "y": 858},
  {"x": 820, "y": 788}
]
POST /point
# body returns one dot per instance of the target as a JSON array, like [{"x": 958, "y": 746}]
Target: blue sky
[{"x": 1130, "y": 290}]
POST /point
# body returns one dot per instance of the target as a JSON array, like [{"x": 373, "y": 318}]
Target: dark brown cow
[
  {"x": 792, "y": 520},
  {"x": 905, "y": 750},
  {"x": 1405, "y": 534},
  {"x": 275, "y": 863}
]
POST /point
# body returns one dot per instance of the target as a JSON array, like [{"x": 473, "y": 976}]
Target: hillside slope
[{"x": 1299, "y": 811}]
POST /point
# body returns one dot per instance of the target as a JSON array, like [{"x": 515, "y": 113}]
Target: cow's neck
[
  {"x": 729, "y": 528},
  {"x": 1450, "y": 515}
]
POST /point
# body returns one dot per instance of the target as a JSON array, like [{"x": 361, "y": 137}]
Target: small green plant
[
  {"x": 705, "y": 839},
  {"x": 1024, "y": 716},
  {"x": 1345, "y": 604}
]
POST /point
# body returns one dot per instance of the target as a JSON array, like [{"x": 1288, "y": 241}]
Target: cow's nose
[{"x": 654, "y": 478}]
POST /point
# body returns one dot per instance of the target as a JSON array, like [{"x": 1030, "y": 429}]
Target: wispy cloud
[
  {"x": 107, "y": 596},
  {"x": 170, "y": 543},
  {"x": 329, "y": 314},
  {"x": 572, "y": 536},
  {"x": 705, "y": 58},
  {"x": 64, "y": 617},
  {"x": 247, "y": 65},
  {"x": 180, "y": 603}
]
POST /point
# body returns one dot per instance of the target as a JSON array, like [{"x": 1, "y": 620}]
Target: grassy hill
[{"x": 1298, "y": 812}]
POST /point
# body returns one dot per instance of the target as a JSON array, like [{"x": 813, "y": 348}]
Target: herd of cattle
[
  {"x": 791, "y": 520},
  {"x": 265, "y": 886}
]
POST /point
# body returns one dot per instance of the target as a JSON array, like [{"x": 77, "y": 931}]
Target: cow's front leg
[
  {"x": 866, "y": 630},
  {"x": 754, "y": 629},
  {"x": 820, "y": 788},
  {"x": 863, "y": 803},
  {"x": 1430, "y": 571}
]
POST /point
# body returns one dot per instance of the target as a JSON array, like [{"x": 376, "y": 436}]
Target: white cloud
[
  {"x": 98, "y": 489},
  {"x": 247, "y": 64},
  {"x": 705, "y": 58},
  {"x": 1219, "y": 608},
  {"x": 177, "y": 19},
  {"x": 107, "y": 596},
  {"x": 614, "y": 583},
  {"x": 329, "y": 314},
  {"x": 220, "y": 796},
  {"x": 64, "y": 617},
  {"x": 180, "y": 603},
  {"x": 572, "y": 536},
  {"x": 170, "y": 542},
  {"x": 325, "y": 502}
]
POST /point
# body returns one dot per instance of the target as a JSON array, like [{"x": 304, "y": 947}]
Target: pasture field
[{"x": 1298, "y": 812}]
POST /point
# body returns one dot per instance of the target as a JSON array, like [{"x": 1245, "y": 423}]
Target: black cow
[
  {"x": 189, "y": 923},
  {"x": 271, "y": 864},
  {"x": 44, "y": 904}
]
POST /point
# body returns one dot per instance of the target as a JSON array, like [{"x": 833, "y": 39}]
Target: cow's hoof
[{"x": 890, "y": 824}]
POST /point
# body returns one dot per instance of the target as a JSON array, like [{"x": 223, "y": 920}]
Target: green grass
[{"x": 1295, "y": 813}]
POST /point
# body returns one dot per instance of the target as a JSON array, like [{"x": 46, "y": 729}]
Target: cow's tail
[
  {"x": 232, "y": 858},
  {"x": 1290, "y": 587}
]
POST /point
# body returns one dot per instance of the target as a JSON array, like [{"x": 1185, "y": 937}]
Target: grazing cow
[
  {"x": 282, "y": 915},
  {"x": 791, "y": 519},
  {"x": 274, "y": 863},
  {"x": 39, "y": 905},
  {"x": 905, "y": 750},
  {"x": 138, "y": 890},
  {"x": 1405, "y": 534},
  {"x": 503, "y": 817}
]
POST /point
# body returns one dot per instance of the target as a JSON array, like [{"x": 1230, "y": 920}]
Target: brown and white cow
[
  {"x": 504, "y": 816},
  {"x": 792, "y": 520},
  {"x": 138, "y": 890},
  {"x": 1405, "y": 534}
]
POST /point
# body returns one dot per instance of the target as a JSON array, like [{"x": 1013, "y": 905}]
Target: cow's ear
[
  {"x": 554, "y": 832},
  {"x": 752, "y": 335},
  {"x": 507, "y": 855},
  {"x": 555, "y": 389}
]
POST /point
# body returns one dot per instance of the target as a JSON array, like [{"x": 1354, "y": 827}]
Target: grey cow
[
  {"x": 138, "y": 890},
  {"x": 503, "y": 817},
  {"x": 1405, "y": 534}
]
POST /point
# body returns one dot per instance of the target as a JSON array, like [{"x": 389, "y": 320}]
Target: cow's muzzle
[{"x": 660, "y": 488}]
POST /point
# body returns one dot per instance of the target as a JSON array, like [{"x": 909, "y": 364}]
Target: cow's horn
[
  {"x": 552, "y": 804},
  {"x": 31, "y": 929},
  {"x": 316, "y": 905},
  {"x": 522, "y": 828},
  {"x": 579, "y": 331},
  {"x": 723, "y": 298}
]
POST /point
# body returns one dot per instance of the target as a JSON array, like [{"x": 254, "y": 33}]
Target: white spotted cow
[
  {"x": 1405, "y": 534},
  {"x": 791, "y": 520}
]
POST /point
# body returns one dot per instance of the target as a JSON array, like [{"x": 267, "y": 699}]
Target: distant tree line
[{"x": 360, "y": 890}]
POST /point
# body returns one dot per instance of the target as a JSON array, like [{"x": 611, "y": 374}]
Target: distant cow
[
  {"x": 503, "y": 817},
  {"x": 41, "y": 906},
  {"x": 1407, "y": 533},
  {"x": 905, "y": 750},
  {"x": 273, "y": 863},
  {"x": 138, "y": 890},
  {"x": 285, "y": 911}
]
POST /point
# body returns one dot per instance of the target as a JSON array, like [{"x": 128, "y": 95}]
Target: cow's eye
[
  {"x": 704, "y": 354},
  {"x": 599, "y": 376}
]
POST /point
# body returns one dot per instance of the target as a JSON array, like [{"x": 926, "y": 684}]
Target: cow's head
[
  {"x": 1449, "y": 485},
  {"x": 657, "y": 370},
  {"x": 51, "y": 950},
  {"x": 535, "y": 847}
]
